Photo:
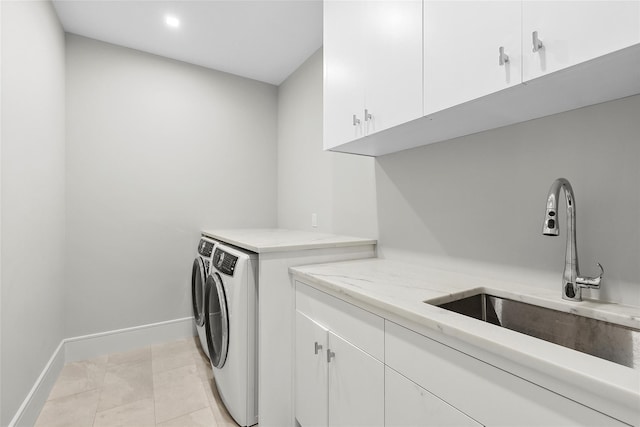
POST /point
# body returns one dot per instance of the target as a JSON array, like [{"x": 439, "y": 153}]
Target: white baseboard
[
  {"x": 94, "y": 345},
  {"x": 32, "y": 405}
]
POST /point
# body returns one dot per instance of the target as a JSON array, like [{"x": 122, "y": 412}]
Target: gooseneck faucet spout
[{"x": 572, "y": 282}]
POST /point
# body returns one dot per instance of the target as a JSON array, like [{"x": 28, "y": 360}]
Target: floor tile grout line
[
  {"x": 49, "y": 399},
  {"x": 204, "y": 389},
  {"x": 184, "y": 415},
  {"x": 153, "y": 395},
  {"x": 129, "y": 363},
  {"x": 193, "y": 363},
  {"x": 129, "y": 402},
  {"x": 95, "y": 413},
  {"x": 153, "y": 391},
  {"x": 86, "y": 378}
]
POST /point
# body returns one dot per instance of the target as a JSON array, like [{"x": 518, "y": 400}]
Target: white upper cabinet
[
  {"x": 343, "y": 72},
  {"x": 372, "y": 67},
  {"x": 401, "y": 74},
  {"x": 472, "y": 49},
  {"x": 393, "y": 74},
  {"x": 570, "y": 32}
]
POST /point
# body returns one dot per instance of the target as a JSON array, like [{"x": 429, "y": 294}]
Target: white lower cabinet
[
  {"x": 337, "y": 383},
  {"x": 406, "y": 404},
  {"x": 354, "y": 368},
  {"x": 356, "y": 386},
  {"x": 311, "y": 400},
  {"x": 489, "y": 395}
]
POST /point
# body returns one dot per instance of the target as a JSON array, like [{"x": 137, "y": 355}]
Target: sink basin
[{"x": 616, "y": 343}]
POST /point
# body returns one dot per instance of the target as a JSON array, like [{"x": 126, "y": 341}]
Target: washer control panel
[
  {"x": 205, "y": 248},
  {"x": 225, "y": 262}
]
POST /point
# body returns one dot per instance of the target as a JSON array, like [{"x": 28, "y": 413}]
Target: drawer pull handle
[
  {"x": 318, "y": 347},
  {"x": 330, "y": 355},
  {"x": 356, "y": 120}
]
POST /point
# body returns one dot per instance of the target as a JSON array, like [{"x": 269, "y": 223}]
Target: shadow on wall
[{"x": 482, "y": 197}]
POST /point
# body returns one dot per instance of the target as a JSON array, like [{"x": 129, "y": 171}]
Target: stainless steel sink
[{"x": 619, "y": 344}]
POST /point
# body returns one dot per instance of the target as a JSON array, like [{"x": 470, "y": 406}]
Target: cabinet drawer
[
  {"x": 488, "y": 394},
  {"x": 361, "y": 328}
]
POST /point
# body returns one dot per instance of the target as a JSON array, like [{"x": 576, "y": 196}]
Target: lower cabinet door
[
  {"x": 409, "y": 405},
  {"x": 311, "y": 373},
  {"x": 356, "y": 386}
]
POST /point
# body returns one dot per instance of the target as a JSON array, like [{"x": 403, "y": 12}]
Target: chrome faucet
[{"x": 572, "y": 282}]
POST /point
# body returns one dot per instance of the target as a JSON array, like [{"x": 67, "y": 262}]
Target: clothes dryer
[
  {"x": 232, "y": 330},
  {"x": 199, "y": 273}
]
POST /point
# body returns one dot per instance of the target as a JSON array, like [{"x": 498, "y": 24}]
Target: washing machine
[
  {"x": 232, "y": 330},
  {"x": 199, "y": 273}
]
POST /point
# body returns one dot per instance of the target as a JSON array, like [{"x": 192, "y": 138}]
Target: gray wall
[
  {"x": 474, "y": 203},
  {"x": 156, "y": 151},
  {"x": 339, "y": 188},
  {"x": 33, "y": 193},
  {"x": 481, "y": 199}
]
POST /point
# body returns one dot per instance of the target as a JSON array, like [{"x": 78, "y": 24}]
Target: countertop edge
[{"x": 321, "y": 241}]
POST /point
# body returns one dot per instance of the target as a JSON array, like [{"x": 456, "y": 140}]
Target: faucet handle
[{"x": 590, "y": 282}]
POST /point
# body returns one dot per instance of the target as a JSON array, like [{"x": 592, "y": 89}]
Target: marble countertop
[
  {"x": 261, "y": 240},
  {"x": 398, "y": 290}
]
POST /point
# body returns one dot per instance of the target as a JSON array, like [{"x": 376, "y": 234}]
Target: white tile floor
[{"x": 163, "y": 385}]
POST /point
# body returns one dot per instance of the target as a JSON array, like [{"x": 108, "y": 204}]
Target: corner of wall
[
  {"x": 338, "y": 188},
  {"x": 31, "y": 193},
  {"x": 1, "y": 121}
]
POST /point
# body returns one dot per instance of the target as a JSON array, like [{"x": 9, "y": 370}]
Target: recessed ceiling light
[{"x": 172, "y": 21}]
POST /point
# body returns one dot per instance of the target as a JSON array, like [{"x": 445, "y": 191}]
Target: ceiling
[{"x": 265, "y": 40}]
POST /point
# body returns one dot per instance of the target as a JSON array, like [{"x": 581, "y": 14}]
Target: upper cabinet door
[
  {"x": 343, "y": 72},
  {"x": 472, "y": 49},
  {"x": 393, "y": 70},
  {"x": 570, "y": 32}
]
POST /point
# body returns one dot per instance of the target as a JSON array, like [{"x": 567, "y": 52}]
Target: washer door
[
  {"x": 216, "y": 321},
  {"x": 198, "y": 272}
]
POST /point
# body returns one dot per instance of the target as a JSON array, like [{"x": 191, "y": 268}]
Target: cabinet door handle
[
  {"x": 330, "y": 355},
  {"x": 318, "y": 347},
  {"x": 537, "y": 43},
  {"x": 356, "y": 120},
  {"x": 503, "y": 58},
  {"x": 367, "y": 115}
]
